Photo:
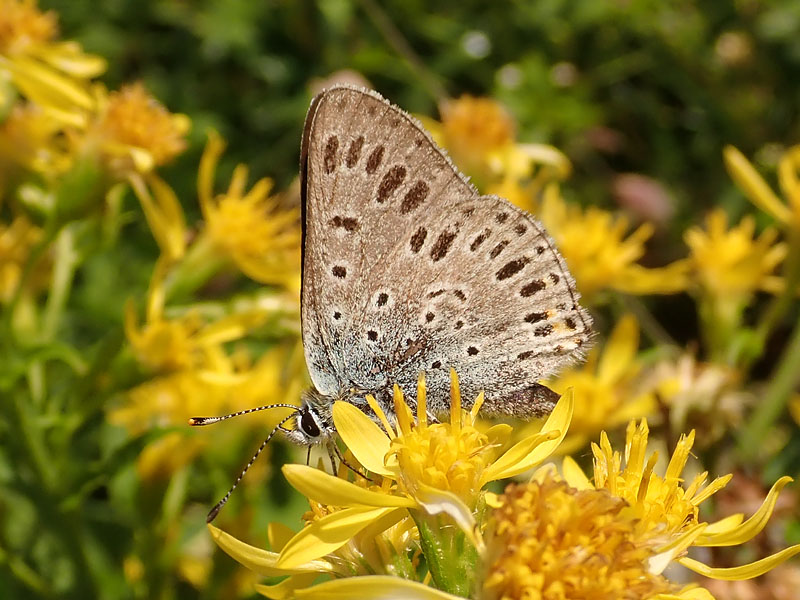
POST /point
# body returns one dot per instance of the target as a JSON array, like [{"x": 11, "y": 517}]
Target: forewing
[{"x": 365, "y": 167}]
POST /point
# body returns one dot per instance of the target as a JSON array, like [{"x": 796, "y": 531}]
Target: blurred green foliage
[{"x": 641, "y": 86}]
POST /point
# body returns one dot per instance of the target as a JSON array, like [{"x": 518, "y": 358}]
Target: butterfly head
[{"x": 313, "y": 423}]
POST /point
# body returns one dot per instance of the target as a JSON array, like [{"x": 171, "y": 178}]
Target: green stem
[
  {"x": 25, "y": 574},
  {"x": 783, "y": 302},
  {"x": 202, "y": 261},
  {"x": 784, "y": 381},
  {"x": 399, "y": 44},
  {"x": 654, "y": 330},
  {"x": 450, "y": 557},
  {"x": 66, "y": 262},
  {"x": 34, "y": 443}
]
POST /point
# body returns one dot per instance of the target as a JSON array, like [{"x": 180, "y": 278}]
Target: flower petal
[
  {"x": 754, "y": 569},
  {"x": 574, "y": 475},
  {"x": 373, "y": 587},
  {"x": 362, "y": 437},
  {"x": 286, "y": 588},
  {"x": 515, "y": 460},
  {"x": 754, "y": 186},
  {"x": 499, "y": 433},
  {"x": 329, "y": 533},
  {"x": 620, "y": 350},
  {"x": 533, "y": 450},
  {"x": 278, "y": 534},
  {"x": 261, "y": 561},
  {"x": 751, "y": 526},
  {"x": 724, "y": 525},
  {"x": 690, "y": 592},
  {"x": 434, "y": 502},
  {"x": 675, "y": 547},
  {"x": 335, "y": 491}
]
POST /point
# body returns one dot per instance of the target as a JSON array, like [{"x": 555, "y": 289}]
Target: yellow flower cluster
[
  {"x": 69, "y": 148},
  {"x": 558, "y": 536}
]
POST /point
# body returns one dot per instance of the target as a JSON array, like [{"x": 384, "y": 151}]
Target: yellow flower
[
  {"x": 52, "y": 74},
  {"x": 605, "y": 390},
  {"x": 667, "y": 511},
  {"x": 16, "y": 241},
  {"x": 599, "y": 254},
  {"x": 229, "y": 384},
  {"x": 527, "y": 172},
  {"x": 473, "y": 128},
  {"x": 758, "y": 191},
  {"x": 479, "y": 134},
  {"x": 30, "y": 138},
  {"x": 188, "y": 340},
  {"x": 133, "y": 132},
  {"x": 23, "y": 25},
  {"x": 706, "y": 394},
  {"x": 261, "y": 238},
  {"x": 164, "y": 214},
  {"x": 548, "y": 540},
  {"x": 381, "y": 546},
  {"x": 730, "y": 264},
  {"x": 420, "y": 469}
]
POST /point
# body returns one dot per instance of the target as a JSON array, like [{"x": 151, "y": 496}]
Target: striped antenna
[
  {"x": 212, "y": 514},
  {"x": 200, "y": 421}
]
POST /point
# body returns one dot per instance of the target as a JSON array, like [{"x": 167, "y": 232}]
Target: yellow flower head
[
  {"x": 445, "y": 456},
  {"x": 50, "y": 73},
  {"x": 548, "y": 540},
  {"x": 135, "y": 132},
  {"x": 29, "y": 138},
  {"x": 226, "y": 384},
  {"x": 473, "y": 128},
  {"x": 732, "y": 264},
  {"x": 187, "y": 340},
  {"x": 452, "y": 459},
  {"x": 446, "y": 480},
  {"x": 479, "y": 134},
  {"x": 599, "y": 254},
  {"x": 759, "y": 192},
  {"x": 22, "y": 24},
  {"x": 16, "y": 241},
  {"x": 666, "y": 509},
  {"x": 261, "y": 238},
  {"x": 705, "y": 391}
]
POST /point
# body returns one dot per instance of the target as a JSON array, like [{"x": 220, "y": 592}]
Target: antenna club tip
[
  {"x": 212, "y": 514},
  {"x": 195, "y": 421}
]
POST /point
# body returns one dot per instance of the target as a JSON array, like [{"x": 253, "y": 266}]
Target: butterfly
[{"x": 408, "y": 269}]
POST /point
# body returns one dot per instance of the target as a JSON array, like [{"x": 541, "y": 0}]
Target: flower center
[
  {"x": 548, "y": 540},
  {"x": 443, "y": 458},
  {"x": 134, "y": 118}
]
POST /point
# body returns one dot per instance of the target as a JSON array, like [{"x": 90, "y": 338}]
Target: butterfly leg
[
  {"x": 348, "y": 465},
  {"x": 330, "y": 446}
]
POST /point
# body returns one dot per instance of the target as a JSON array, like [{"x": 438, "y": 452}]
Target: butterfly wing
[{"x": 408, "y": 269}]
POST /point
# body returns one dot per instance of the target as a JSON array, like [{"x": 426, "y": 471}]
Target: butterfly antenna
[
  {"x": 199, "y": 421},
  {"x": 212, "y": 514}
]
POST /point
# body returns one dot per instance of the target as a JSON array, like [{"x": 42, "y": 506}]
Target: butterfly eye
[{"x": 308, "y": 425}]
